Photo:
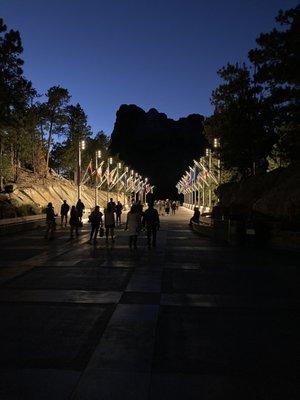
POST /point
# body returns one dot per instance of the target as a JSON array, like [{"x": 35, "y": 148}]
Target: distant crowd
[{"x": 104, "y": 224}]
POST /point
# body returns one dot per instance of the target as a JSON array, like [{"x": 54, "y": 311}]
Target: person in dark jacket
[
  {"x": 64, "y": 209},
  {"x": 50, "y": 221},
  {"x": 196, "y": 217},
  {"x": 96, "y": 221},
  {"x": 74, "y": 221},
  {"x": 119, "y": 208},
  {"x": 80, "y": 208},
  {"x": 151, "y": 223}
]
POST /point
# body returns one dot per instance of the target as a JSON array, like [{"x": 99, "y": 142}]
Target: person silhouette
[
  {"x": 151, "y": 222},
  {"x": 64, "y": 209}
]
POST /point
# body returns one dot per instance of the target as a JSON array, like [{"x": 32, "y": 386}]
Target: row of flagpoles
[
  {"x": 198, "y": 183},
  {"x": 118, "y": 178}
]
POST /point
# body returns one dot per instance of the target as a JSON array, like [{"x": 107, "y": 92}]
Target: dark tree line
[
  {"x": 35, "y": 134},
  {"x": 256, "y": 115}
]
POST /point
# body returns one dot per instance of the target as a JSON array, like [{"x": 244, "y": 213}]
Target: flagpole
[
  {"x": 97, "y": 155},
  {"x": 81, "y": 146}
]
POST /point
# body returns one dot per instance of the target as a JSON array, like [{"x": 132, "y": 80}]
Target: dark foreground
[{"x": 188, "y": 320}]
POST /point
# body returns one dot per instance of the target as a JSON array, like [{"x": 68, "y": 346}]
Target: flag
[
  {"x": 90, "y": 168},
  {"x": 99, "y": 172}
]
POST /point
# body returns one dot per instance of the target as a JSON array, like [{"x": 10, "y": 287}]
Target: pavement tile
[
  {"x": 190, "y": 340},
  {"x": 59, "y": 296},
  {"x": 140, "y": 298},
  {"x": 8, "y": 273},
  {"x": 188, "y": 299},
  {"x": 145, "y": 281},
  {"x": 128, "y": 340},
  {"x": 220, "y": 387},
  {"x": 84, "y": 278},
  {"x": 37, "y": 384},
  {"x": 50, "y": 335},
  {"x": 104, "y": 384}
]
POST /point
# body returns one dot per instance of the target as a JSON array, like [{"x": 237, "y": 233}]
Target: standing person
[
  {"x": 109, "y": 221},
  {"x": 196, "y": 217},
  {"x": 160, "y": 207},
  {"x": 96, "y": 220},
  {"x": 133, "y": 225},
  {"x": 74, "y": 221},
  {"x": 80, "y": 208},
  {"x": 64, "y": 209},
  {"x": 173, "y": 206},
  {"x": 151, "y": 222},
  {"x": 167, "y": 207},
  {"x": 163, "y": 205},
  {"x": 50, "y": 221},
  {"x": 112, "y": 204},
  {"x": 119, "y": 208}
]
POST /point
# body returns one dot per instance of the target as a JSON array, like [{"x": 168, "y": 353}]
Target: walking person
[
  {"x": 80, "y": 209},
  {"x": 151, "y": 223},
  {"x": 64, "y": 209},
  {"x": 173, "y": 207},
  {"x": 167, "y": 207},
  {"x": 50, "y": 222},
  {"x": 112, "y": 204},
  {"x": 74, "y": 221},
  {"x": 119, "y": 208},
  {"x": 109, "y": 221},
  {"x": 96, "y": 221},
  {"x": 133, "y": 225},
  {"x": 160, "y": 207}
]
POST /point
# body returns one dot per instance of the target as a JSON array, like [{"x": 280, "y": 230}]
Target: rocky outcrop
[
  {"x": 32, "y": 191},
  {"x": 273, "y": 196},
  {"x": 157, "y": 146}
]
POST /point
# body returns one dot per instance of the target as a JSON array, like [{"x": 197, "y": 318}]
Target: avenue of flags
[
  {"x": 198, "y": 182},
  {"x": 119, "y": 177}
]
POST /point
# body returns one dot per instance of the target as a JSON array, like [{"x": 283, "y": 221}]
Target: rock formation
[{"x": 157, "y": 146}]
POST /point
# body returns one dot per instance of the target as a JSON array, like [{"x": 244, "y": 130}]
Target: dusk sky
[{"x": 161, "y": 54}]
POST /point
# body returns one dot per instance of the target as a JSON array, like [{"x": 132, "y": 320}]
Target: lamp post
[
  {"x": 208, "y": 154},
  {"x": 216, "y": 146},
  {"x": 119, "y": 167},
  {"x": 109, "y": 162},
  {"x": 125, "y": 185},
  {"x": 97, "y": 156},
  {"x": 145, "y": 194},
  {"x": 81, "y": 146}
]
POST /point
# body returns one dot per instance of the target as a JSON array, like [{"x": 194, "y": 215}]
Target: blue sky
[{"x": 161, "y": 54}]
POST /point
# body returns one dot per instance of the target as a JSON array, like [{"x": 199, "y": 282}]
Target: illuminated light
[
  {"x": 216, "y": 143},
  {"x": 98, "y": 153},
  {"x": 207, "y": 152},
  {"x": 132, "y": 172},
  {"x": 82, "y": 144},
  {"x": 110, "y": 160},
  {"x": 119, "y": 165},
  {"x": 136, "y": 174},
  {"x": 146, "y": 179},
  {"x": 126, "y": 169}
]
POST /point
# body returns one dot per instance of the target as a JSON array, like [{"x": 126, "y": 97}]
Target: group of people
[
  {"x": 75, "y": 220},
  {"x": 167, "y": 206},
  {"x": 136, "y": 220}
]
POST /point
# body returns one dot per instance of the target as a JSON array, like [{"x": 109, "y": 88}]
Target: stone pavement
[{"x": 190, "y": 319}]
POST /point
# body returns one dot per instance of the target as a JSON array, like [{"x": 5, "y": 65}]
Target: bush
[{"x": 26, "y": 209}]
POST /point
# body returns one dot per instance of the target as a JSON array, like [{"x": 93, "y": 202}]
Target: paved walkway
[{"x": 187, "y": 320}]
